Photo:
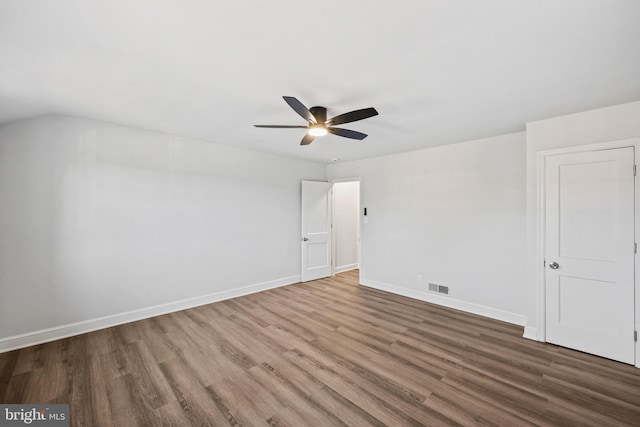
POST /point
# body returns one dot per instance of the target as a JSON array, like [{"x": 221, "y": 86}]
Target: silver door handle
[
  {"x": 554, "y": 265},
  {"x": 304, "y": 239}
]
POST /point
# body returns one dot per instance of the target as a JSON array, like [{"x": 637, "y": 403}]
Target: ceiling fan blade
[
  {"x": 352, "y": 116},
  {"x": 308, "y": 139},
  {"x": 299, "y": 108},
  {"x": 347, "y": 133},
  {"x": 280, "y": 126}
]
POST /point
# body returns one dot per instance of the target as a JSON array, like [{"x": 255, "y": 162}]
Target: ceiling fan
[{"x": 319, "y": 125}]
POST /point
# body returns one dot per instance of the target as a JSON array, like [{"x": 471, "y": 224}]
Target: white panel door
[
  {"x": 316, "y": 230},
  {"x": 589, "y": 252}
]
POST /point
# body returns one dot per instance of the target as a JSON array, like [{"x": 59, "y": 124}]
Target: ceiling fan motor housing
[{"x": 320, "y": 113}]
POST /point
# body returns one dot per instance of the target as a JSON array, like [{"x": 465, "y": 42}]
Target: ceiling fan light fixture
[
  {"x": 318, "y": 125},
  {"x": 317, "y": 130}
]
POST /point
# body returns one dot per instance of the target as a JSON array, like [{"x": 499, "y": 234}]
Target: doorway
[
  {"x": 330, "y": 242},
  {"x": 346, "y": 225}
]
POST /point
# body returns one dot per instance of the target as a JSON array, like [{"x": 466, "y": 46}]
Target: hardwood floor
[{"x": 322, "y": 353}]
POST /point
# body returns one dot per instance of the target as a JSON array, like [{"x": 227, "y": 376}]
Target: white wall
[
  {"x": 345, "y": 224},
  {"x": 98, "y": 220},
  {"x": 602, "y": 125},
  {"x": 454, "y": 214}
]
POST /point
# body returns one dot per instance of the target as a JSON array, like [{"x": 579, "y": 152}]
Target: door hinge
[
  {"x": 544, "y": 263},
  {"x": 634, "y": 170},
  {"x": 635, "y": 247},
  {"x": 635, "y": 336}
]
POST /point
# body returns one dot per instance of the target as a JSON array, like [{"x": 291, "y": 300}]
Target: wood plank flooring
[{"x": 324, "y": 353}]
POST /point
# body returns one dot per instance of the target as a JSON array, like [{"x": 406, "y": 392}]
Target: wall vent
[{"x": 441, "y": 289}]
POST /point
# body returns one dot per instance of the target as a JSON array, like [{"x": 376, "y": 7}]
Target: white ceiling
[{"x": 438, "y": 71}]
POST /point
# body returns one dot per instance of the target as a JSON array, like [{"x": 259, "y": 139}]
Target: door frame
[
  {"x": 540, "y": 230},
  {"x": 333, "y": 230}
]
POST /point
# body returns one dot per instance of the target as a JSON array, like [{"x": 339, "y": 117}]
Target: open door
[{"x": 316, "y": 230}]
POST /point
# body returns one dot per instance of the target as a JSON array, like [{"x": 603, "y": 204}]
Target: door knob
[
  {"x": 304, "y": 239},
  {"x": 554, "y": 265}
]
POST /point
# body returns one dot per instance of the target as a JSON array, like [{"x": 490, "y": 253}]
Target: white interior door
[
  {"x": 589, "y": 252},
  {"x": 316, "y": 230}
]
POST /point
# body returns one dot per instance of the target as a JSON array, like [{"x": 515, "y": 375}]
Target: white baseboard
[
  {"x": 469, "y": 307},
  {"x": 530, "y": 333},
  {"x": 64, "y": 331},
  {"x": 347, "y": 267}
]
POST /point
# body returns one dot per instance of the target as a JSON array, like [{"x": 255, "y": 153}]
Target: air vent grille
[{"x": 441, "y": 289}]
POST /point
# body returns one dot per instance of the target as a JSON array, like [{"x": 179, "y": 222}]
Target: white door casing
[
  {"x": 589, "y": 252},
  {"x": 316, "y": 230}
]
